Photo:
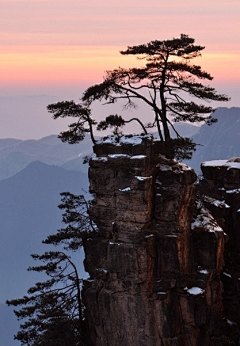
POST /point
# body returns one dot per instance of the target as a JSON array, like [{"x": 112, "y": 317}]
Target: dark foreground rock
[
  {"x": 220, "y": 189},
  {"x": 154, "y": 266}
]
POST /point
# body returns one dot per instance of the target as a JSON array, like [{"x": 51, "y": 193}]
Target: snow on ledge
[
  {"x": 222, "y": 163},
  {"x": 231, "y": 323},
  {"x": 185, "y": 167},
  {"x": 194, "y": 290},
  {"x": 237, "y": 191},
  {"x": 125, "y": 189},
  {"x": 115, "y": 156},
  {"x": 176, "y": 168},
  {"x": 133, "y": 140},
  {"x": 100, "y": 159},
  {"x": 214, "y": 163},
  {"x": 164, "y": 168},
  {"x": 114, "y": 243},
  {"x": 149, "y": 236},
  {"x": 216, "y": 202},
  {"x": 138, "y": 157},
  {"x": 206, "y": 221},
  {"x": 203, "y": 271},
  {"x": 140, "y": 178}
]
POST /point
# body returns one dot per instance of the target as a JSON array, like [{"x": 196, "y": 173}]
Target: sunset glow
[
  {"x": 88, "y": 64},
  {"x": 58, "y": 48},
  {"x": 73, "y": 42},
  {"x": 71, "y": 64}
]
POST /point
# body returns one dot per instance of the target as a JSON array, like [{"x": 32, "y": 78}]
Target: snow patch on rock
[
  {"x": 140, "y": 178},
  {"x": 125, "y": 189},
  {"x": 194, "y": 290}
]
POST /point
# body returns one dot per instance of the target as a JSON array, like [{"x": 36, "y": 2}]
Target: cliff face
[
  {"x": 220, "y": 189},
  {"x": 155, "y": 263}
]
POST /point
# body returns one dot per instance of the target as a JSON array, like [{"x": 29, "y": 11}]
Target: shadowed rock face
[
  {"x": 220, "y": 189},
  {"x": 154, "y": 266}
]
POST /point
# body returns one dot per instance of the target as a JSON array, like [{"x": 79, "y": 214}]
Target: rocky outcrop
[
  {"x": 220, "y": 189},
  {"x": 154, "y": 266}
]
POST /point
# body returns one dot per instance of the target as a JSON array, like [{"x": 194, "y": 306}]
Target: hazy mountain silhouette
[
  {"x": 22, "y": 115},
  {"x": 185, "y": 129},
  {"x": 15, "y": 155},
  {"x": 28, "y": 209},
  {"x": 219, "y": 141}
]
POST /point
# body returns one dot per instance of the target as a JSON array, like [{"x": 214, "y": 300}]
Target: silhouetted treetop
[
  {"x": 164, "y": 83},
  {"x": 182, "y": 47},
  {"x": 167, "y": 82},
  {"x": 77, "y": 130}
]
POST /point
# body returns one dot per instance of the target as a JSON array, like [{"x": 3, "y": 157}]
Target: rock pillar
[
  {"x": 220, "y": 191},
  {"x": 155, "y": 261}
]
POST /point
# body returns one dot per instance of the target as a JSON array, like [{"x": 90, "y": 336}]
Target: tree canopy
[
  {"x": 168, "y": 83},
  {"x": 52, "y": 310},
  {"x": 77, "y": 130}
]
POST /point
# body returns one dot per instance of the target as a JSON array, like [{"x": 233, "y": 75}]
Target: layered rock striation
[{"x": 155, "y": 263}]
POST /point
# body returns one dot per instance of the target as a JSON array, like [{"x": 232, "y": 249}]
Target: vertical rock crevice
[{"x": 184, "y": 221}]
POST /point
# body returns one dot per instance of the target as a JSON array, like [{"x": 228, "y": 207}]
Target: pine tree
[
  {"x": 164, "y": 83},
  {"x": 168, "y": 82},
  {"x": 52, "y": 312},
  {"x": 77, "y": 130}
]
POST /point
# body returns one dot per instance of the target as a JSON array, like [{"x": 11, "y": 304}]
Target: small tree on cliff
[
  {"x": 52, "y": 312},
  {"x": 76, "y": 130},
  {"x": 78, "y": 223}
]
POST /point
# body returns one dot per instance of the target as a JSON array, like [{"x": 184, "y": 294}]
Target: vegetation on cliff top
[{"x": 168, "y": 83}]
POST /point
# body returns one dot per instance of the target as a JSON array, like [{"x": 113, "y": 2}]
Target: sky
[{"x": 59, "y": 47}]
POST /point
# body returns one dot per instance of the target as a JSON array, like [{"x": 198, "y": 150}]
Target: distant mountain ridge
[
  {"x": 185, "y": 129},
  {"x": 28, "y": 209},
  {"x": 31, "y": 180},
  {"x": 220, "y": 140},
  {"x": 16, "y": 154}
]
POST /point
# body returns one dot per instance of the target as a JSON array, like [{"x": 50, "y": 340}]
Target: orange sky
[
  {"x": 60, "y": 47},
  {"x": 72, "y": 42}
]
